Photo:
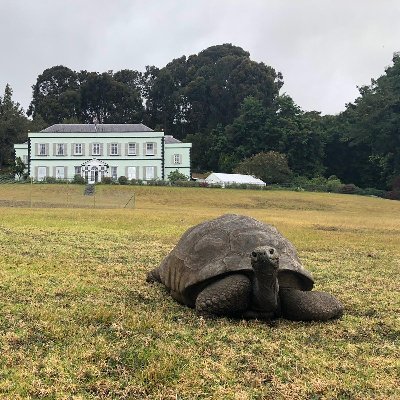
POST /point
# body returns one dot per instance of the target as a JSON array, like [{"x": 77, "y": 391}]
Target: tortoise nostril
[{"x": 271, "y": 251}]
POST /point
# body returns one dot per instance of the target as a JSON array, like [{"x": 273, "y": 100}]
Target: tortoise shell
[{"x": 223, "y": 245}]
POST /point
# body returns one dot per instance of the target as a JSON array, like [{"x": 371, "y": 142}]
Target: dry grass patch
[{"x": 78, "y": 321}]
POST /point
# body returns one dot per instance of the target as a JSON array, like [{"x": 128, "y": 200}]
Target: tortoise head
[{"x": 265, "y": 258}]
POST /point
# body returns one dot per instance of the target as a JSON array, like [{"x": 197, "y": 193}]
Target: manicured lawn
[{"x": 78, "y": 321}]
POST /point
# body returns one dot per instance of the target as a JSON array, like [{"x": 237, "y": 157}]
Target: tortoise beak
[{"x": 265, "y": 254}]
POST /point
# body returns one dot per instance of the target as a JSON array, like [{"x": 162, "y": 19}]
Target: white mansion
[{"x": 96, "y": 151}]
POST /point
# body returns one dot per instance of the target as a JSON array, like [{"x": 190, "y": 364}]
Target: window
[
  {"x": 25, "y": 159},
  {"x": 42, "y": 149},
  {"x": 149, "y": 149},
  {"x": 78, "y": 149},
  {"x": 132, "y": 173},
  {"x": 59, "y": 172},
  {"x": 177, "y": 159},
  {"x": 114, "y": 173},
  {"x": 131, "y": 149},
  {"x": 78, "y": 170},
  {"x": 96, "y": 149},
  {"x": 150, "y": 173},
  {"x": 114, "y": 149},
  {"x": 42, "y": 172},
  {"x": 60, "y": 149}
]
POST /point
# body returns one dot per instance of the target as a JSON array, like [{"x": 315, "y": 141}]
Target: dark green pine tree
[{"x": 13, "y": 127}]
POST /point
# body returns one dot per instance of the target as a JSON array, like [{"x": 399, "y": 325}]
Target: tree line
[{"x": 233, "y": 111}]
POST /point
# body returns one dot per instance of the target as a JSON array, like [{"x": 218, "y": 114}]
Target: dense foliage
[
  {"x": 364, "y": 142},
  {"x": 271, "y": 167},
  {"x": 13, "y": 127},
  {"x": 230, "y": 108}
]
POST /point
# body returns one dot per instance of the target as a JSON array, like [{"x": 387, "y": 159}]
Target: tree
[
  {"x": 372, "y": 129},
  {"x": 299, "y": 135},
  {"x": 197, "y": 93},
  {"x": 56, "y": 95},
  {"x": 13, "y": 127},
  {"x": 249, "y": 133},
  {"x": 225, "y": 76},
  {"x": 108, "y": 100},
  {"x": 271, "y": 167},
  {"x": 165, "y": 102},
  {"x": 19, "y": 167},
  {"x": 61, "y": 95}
]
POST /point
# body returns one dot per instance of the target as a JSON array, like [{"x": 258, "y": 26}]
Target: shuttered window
[
  {"x": 60, "y": 149},
  {"x": 132, "y": 172},
  {"x": 96, "y": 149},
  {"x": 42, "y": 149},
  {"x": 41, "y": 173},
  {"x": 150, "y": 173},
  {"x": 114, "y": 149},
  {"x": 131, "y": 149},
  {"x": 78, "y": 149},
  {"x": 150, "y": 148}
]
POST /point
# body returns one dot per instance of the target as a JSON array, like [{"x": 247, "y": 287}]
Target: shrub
[
  {"x": 349, "y": 188},
  {"x": 271, "y": 167},
  {"x": 245, "y": 186},
  {"x": 317, "y": 184},
  {"x": 393, "y": 195},
  {"x": 78, "y": 179},
  {"x": 333, "y": 184},
  {"x": 186, "y": 183},
  {"x": 106, "y": 180},
  {"x": 136, "y": 182},
  {"x": 214, "y": 185},
  {"x": 50, "y": 179},
  {"x": 176, "y": 176},
  {"x": 395, "y": 184},
  {"x": 157, "y": 182},
  {"x": 374, "y": 192},
  {"x": 123, "y": 180}
]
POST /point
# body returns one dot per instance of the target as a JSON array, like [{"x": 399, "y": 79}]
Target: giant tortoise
[{"x": 237, "y": 266}]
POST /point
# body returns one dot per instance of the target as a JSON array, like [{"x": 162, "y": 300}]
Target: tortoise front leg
[
  {"x": 297, "y": 305},
  {"x": 229, "y": 296}
]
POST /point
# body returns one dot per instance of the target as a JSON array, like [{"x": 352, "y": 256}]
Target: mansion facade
[{"x": 94, "y": 151}]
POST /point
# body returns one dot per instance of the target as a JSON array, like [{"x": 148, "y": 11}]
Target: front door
[{"x": 94, "y": 175}]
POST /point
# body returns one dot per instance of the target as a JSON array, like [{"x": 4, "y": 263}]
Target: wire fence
[{"x": 32, "y": 194}]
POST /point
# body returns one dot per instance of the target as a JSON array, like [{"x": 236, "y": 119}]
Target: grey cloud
[{"x": 323, "y": 48}]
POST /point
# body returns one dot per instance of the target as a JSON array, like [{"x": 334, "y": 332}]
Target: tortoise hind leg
[
  {"x": 229, "y": 296},
  {"x": 297, "y": 305}
]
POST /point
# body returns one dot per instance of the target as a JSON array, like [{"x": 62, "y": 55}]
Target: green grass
[{"x": 78, "y": 321}]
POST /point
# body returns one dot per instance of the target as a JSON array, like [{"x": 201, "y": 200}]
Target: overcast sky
[{"x": 324, "y": 48}]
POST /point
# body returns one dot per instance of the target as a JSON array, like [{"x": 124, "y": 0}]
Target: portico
[{"x": 94, "y": 170}]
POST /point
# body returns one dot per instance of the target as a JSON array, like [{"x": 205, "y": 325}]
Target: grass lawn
[{"x": 78, "y": 321}]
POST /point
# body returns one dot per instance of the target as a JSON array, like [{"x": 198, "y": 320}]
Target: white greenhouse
[{"x": 223, "y": 180}]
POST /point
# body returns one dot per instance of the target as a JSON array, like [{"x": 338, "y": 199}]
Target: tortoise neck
[{"x": 265, "y": 290}]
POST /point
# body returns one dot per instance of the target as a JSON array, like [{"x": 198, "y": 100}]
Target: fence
[{"x": 64, "y": 195}]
